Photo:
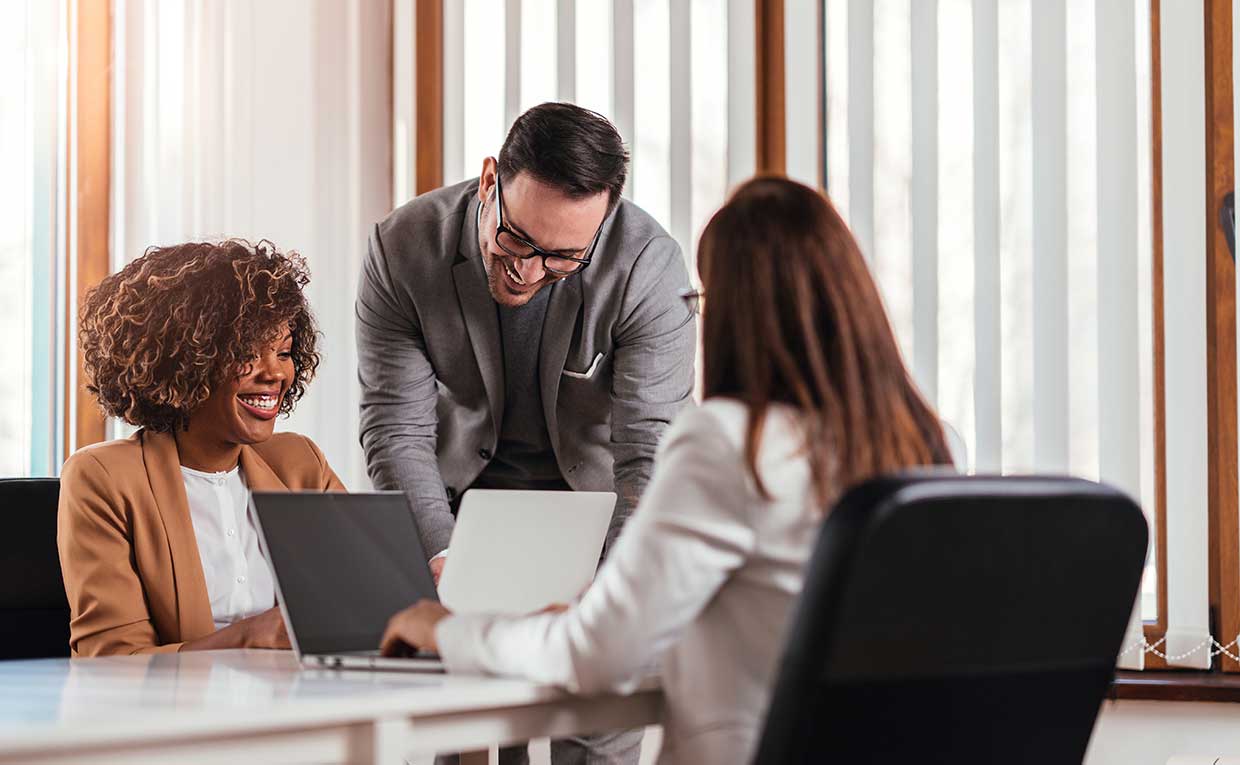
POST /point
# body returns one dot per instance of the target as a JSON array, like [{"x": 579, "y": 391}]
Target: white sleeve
[{"x": 689, "y": 533}]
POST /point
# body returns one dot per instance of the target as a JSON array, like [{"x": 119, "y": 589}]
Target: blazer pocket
[{"x": 589, "y": 373}]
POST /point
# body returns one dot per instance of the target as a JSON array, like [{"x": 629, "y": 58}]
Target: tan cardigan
[{"x": 127, "y": 545}]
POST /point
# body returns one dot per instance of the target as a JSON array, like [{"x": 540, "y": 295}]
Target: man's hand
[
  {"x": 437, "y": 563},
  {"x": 413, "y": 629},
  {"x": 267, "y": 630}
]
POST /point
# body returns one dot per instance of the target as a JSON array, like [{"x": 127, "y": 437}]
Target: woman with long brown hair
[{"x": 804, "y": 394}]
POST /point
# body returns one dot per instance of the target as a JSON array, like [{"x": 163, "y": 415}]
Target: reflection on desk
[
  {"x": 160, "y": 704},
  {"x": 148, "y": 686}
]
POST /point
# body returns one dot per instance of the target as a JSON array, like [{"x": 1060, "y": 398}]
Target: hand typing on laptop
[
  {"x": 413, "y": 629},
  {"x": 327, "y": 549}
]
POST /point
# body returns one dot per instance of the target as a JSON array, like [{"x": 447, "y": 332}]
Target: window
[
  {"x": 662, "y": 72},
  {"x": 31, "y": 267},
  {"x": 1015, "y": 172},
  {"x": 261, "y": 120}
]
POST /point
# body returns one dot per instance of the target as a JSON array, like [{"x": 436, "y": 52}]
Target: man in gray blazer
[{"x": 524, "y": 330}]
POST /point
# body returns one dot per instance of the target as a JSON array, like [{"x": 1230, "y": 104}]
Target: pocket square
[{"x": 586, "y": 375}]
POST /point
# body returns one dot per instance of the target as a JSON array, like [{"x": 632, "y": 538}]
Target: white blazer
[{"x": 703, "y": 579}]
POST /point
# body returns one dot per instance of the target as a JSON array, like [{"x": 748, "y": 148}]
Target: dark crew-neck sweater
[{"x": 524, "y": 458}]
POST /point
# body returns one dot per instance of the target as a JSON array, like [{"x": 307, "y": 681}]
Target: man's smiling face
[{"x": 539, "y": 214}]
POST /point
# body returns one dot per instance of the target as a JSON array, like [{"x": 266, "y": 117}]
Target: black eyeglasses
[
  {"x": 693, "y": 299},
  {"x": 554, "y": 263}
]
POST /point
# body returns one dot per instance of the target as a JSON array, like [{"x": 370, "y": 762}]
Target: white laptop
[
  {"x": 514, "y": 552},
  {"x": 345, "y": 563}
]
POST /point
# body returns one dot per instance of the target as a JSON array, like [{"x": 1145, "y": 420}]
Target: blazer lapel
[
  {"x": 163, "y": 470},
  {"x": 258, "y": 474},
  {"x": 478, "y": 309},
  {"x": 558, "y": 329}
]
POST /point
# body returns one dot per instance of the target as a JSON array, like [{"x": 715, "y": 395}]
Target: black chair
[
  {"x": 34, "y": 613},
  {"x": 950, "y": 619}
]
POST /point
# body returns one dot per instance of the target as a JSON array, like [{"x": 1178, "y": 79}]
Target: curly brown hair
[{"x": 160, "y": 334}]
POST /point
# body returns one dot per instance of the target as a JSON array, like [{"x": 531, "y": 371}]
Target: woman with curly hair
[{"x": 201, "y": 346}]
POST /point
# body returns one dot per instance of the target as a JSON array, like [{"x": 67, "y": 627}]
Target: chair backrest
[
  {"x": 952, "y": 619},
  {"x": 34, "y": 613}
]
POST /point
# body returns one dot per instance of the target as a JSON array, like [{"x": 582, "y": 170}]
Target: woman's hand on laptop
[
  {"x": 413, "y": 629},
  {"x": 266, "y": 630}
]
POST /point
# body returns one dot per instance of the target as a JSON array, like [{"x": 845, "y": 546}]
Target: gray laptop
[
  {"x": 343, "y": 565},
  {"x": 515, "y": 552}
]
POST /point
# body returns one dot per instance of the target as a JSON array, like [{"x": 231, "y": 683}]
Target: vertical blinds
[
  {"x": 682, "y": 100},
  {"x": 261, "y": 119},
  {"x": 1184, "y": 287},
  {"x": 993, "y": 160}
]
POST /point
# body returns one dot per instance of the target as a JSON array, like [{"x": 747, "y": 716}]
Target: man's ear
[{"x": 486, "y": 179}]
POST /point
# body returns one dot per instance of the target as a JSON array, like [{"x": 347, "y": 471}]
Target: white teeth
[
  {"x": 512, "y": 272},
  {"x": 261, "y": 402}
]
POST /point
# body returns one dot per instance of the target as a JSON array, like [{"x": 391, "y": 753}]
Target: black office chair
[
  {"x": 34, "y": 613},
  {"x": 951, "y": 619}
]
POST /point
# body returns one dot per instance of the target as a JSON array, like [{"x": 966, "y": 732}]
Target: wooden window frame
[
  {"x": 1221, "y": 395},
  {"x": 1156, "y": 630},
  {"x": 428, "y": 54},
  {"x": 769, "y": 83},
  {"x": 1221, "y": 335},
  {"x": 89, "y": 158}
]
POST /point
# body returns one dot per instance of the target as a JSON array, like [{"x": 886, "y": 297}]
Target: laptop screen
[{"x": 343, "y": 564}]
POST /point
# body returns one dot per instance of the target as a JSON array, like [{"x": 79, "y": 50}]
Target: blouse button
[{"x": 241, "y": 580}]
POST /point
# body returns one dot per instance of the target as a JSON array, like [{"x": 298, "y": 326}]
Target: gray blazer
[{"x": 615, "y": 366}]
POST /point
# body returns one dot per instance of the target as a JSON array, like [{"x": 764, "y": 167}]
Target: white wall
[
  {"x": 1139, "y": 732},
  {"x": 262, "y": 119}
]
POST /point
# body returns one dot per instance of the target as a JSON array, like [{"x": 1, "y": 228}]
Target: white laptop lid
[{"x": 514, "y": 552}]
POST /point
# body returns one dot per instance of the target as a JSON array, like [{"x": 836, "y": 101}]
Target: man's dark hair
[{"x": 573, "y": 149}]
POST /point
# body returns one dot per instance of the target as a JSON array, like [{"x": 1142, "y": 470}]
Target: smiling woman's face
[{"x": 243, "y": 409}]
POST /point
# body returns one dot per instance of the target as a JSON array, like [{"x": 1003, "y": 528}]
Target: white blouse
[
  {"x": 239, "y": 580},
  {"x": 704, "y": 578}
]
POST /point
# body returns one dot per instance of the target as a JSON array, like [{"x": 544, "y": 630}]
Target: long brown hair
[{"x": 794, "y": 317}]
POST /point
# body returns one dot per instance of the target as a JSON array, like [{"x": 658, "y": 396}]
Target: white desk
[{"x": 259, "y": 706}]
